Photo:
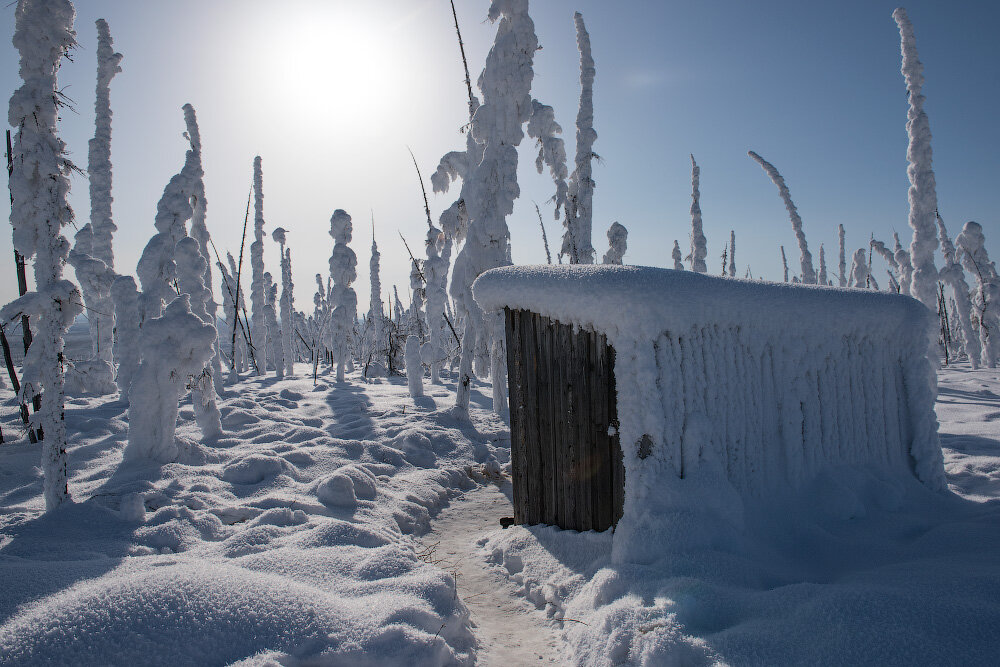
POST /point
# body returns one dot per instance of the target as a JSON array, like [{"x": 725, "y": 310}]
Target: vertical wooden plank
[
  {"x": 543, "y": 384},
  {"x": 618, "y": 487},
  {"x": 516, "y": 418},
  {"x": 570, "y": 415},
  {"x": 603, "y": 474},
  {"x": 533, "y": 460},
  {"x": 588, "y": 457}
]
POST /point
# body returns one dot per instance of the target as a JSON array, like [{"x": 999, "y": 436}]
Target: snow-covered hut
[{"x": 624, "y": 379}]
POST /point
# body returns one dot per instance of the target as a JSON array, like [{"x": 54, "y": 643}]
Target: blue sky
[{"x": 331, "y": 93}]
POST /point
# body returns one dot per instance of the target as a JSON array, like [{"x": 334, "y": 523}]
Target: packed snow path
[{"x": 509, "y": 629}]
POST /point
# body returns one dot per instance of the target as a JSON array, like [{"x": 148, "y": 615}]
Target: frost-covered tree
[
  {"x": 904, "y": 264},
  {"x": 922, "y": 193},
  {"x": 199, "y": 231},
  {"x": 39, "y": 185},
  {"x": 822, "y": 266},
  {"x": 126, "y": 299},
  {"x": 808, "y": 273},
  {"x": 617, "y": 244},
  {"x": 506, "y": 87},
  {"x": 96, "y": 374},
  {"x": 273, "y": 344},
  {"x": 435, "y": 351},
  {"x": 888, "y": 255},
  {"x": 191, "y": 281},
  {"x": 579, "y": 219},
  {"x": 954, "y": 276},
  {"x": 376, "y": 361},
  {"x": 861, "y": 276},
  {"x": 287, "y": 303},
  {"x": 416, "y": 312},
  {"x": 258, "y": 324},
  {"x": 414, "y": 371},
  {"x": 92, "y": 256},
  {"x": 157, "y": 270},
  {"x": 784, "y": 263},
  {"x": 842, "y": 256},
  {"x": 732, "y": 253},
  {"x": 176, "y": 347},
  {"x": 231, "y": 294},
  {"x": 676, "y": 255},
  {"x": 542, "y": 127},
  {"x": 987, "y": 299},
  {"x": 699, "y": 247},
  {"x": 343, "y": 271}
]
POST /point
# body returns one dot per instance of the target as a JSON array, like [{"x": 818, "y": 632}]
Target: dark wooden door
[{"x": 566, "y": 460}]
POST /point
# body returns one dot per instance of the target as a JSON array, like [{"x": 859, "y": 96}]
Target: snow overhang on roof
[{"x": 640, "y": 303}]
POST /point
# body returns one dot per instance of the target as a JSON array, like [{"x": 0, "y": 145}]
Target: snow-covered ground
[{"x": 332, "y": 522}]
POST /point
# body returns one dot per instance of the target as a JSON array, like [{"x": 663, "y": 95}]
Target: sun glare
[{"x": 336, "y": 64}]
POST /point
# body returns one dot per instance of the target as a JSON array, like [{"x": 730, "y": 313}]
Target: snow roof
[{"x": 641, "y": 302}]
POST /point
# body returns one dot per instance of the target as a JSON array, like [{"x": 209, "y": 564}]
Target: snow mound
[
  {"x": 253, "y": 469},
  {"x": 235, "y": 613}
]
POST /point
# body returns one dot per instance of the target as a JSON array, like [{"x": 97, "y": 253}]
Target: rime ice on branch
[
  {"x": 808, "y": 273},
  {"x": 842, "y": 256},
  {"x": 343, "y": 271},
  {"x": 699, "y": 249},
  {"x": 676, "y": 255},
  {"x": 922, "y": 193},
  {"x": 39, "y": 185}
]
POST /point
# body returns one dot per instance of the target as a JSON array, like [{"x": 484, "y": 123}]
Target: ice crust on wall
[{"x": 750, "y": 387}]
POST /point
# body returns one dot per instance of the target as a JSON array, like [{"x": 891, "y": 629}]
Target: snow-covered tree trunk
[
  {"x": 343, "y": 271},
  {"x": 286, "y": 303},
  {"x": 126, "y": 300},
  {"x": 954, "y": 276},
  {"x": 581, "y": 185},
  {"x": 922, "y": 193},
  {"x": 617, "y": 244},
  {"x": 904, "y": 264},
  {"x": 271, "y": 321},
  {"x": 414, "y": 371},
  {"x": 434, "y": 351},
  {"x": 506, "y": 87},
  {"x": 699, "y": 247},
  {"x": 784, "y": 263},
  {"x": 416, "y": 314},
  {"x": 96, "y": 374},
  {"x": 175, "y": 349},
  {"x": 93, "y": 256},
  {"x": 258, "y": 325},
  {"x": 43, "y": 35},
  {"x": 822, "y": 266},
  {"x": 732, "y": 253},
  {"x": 808, "y": 273},
  {"x": 676, "y": 256},
  {"x": 156, "y": 269},
  {"x": 199, "y": 231},
  {"x": 191, "y": 281},
  {"x": 842, "y": 256},
  {"x": 379, "y": 363}
]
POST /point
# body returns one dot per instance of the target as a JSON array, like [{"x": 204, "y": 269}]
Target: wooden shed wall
[{"x": 566, "y": 468}]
